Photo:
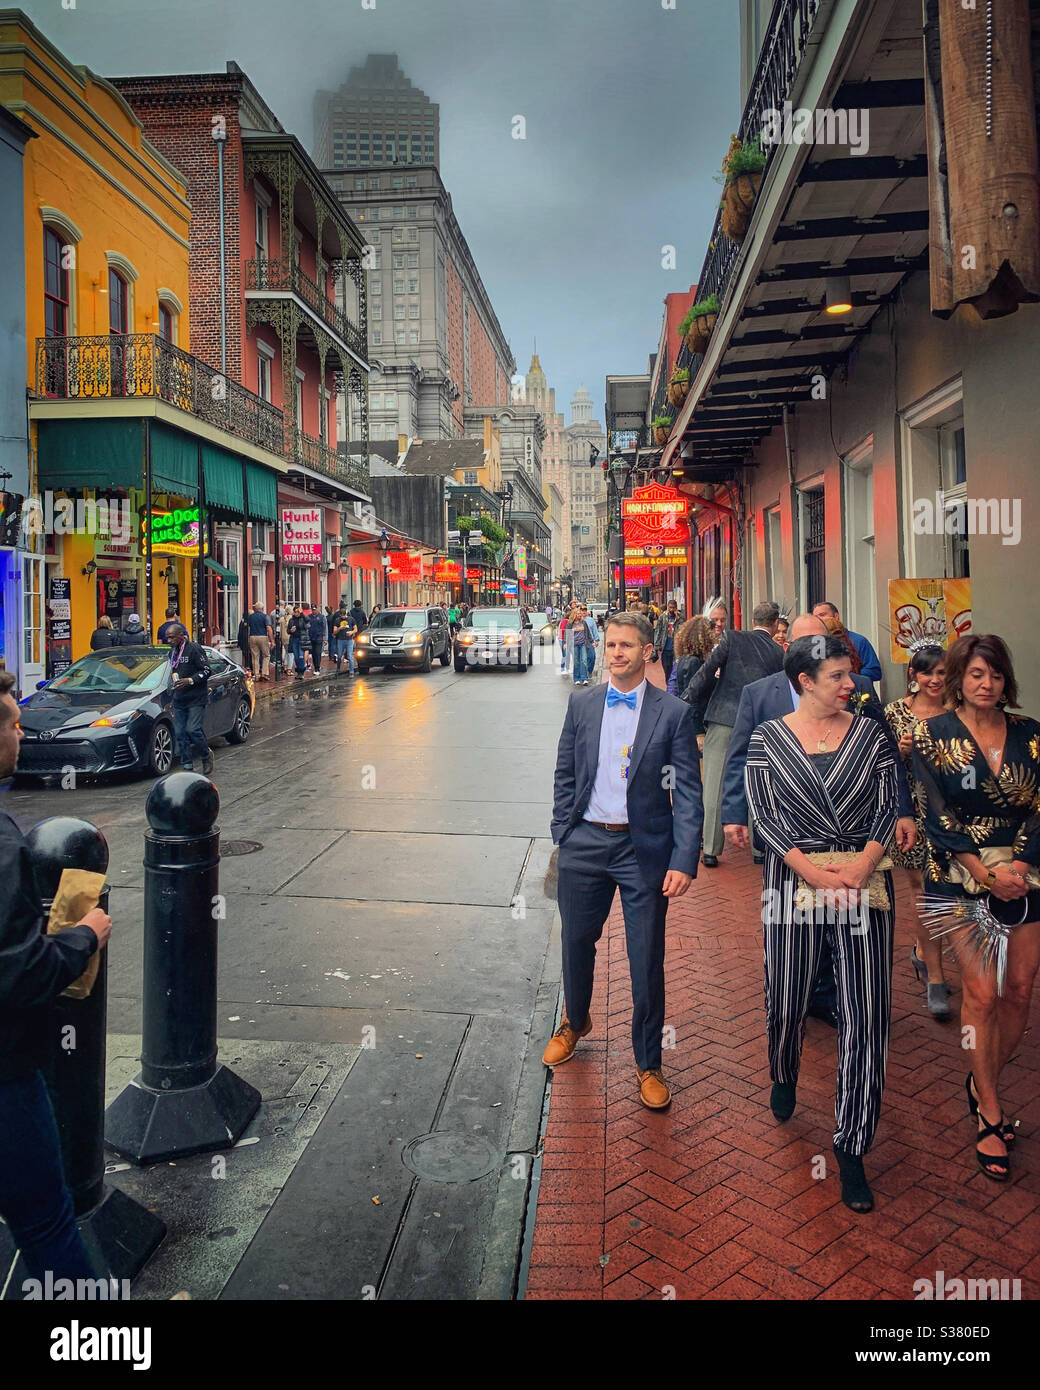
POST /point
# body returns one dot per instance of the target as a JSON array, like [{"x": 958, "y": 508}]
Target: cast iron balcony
[
  {"x": 283, "y": 274},
  {"x": 324, "y": 458},
  {"x": 131, "y": 366}
]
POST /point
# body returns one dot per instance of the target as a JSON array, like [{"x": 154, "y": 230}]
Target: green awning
[
  {"x": 75, "y": 454},
  {"x": 222, "y": 570},
  {"x": 223, "y": 476},
  {"x": 263, "y": 492},
  {"x": 175, "y": 461}
]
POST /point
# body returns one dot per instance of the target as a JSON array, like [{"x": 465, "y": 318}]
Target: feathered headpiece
[
  {"x": 786, "y": 607},
  {"x": 711, "y": 605}
]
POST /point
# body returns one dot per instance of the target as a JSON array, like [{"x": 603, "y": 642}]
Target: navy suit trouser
[{"x": 592, "y": 864}]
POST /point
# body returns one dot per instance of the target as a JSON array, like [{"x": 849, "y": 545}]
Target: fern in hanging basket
[
  {"x": 680, "y": 374},
  {"x": 699, "y": 321},
  {"x": 662, "y": 428},
  {"x": 742, "y": 177}
]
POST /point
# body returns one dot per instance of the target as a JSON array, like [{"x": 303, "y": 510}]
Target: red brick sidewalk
[{"x": 712, "y": 1198}]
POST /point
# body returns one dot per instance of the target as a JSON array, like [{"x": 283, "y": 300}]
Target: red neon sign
[{"x": 656, "y": 515}]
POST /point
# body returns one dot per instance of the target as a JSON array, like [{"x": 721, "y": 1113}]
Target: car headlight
[
  {"x": 364, "y": 638},
  {"x": 413, "y": 636},
  {"x": 119, "y": 722},
  {"x": 509, "y": 637},
  {"x": 468, "y": 638}
]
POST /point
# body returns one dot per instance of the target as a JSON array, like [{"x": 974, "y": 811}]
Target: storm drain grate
[{"x": 232, "y": 847}]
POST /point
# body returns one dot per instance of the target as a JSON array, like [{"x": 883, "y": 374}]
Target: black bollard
[
  {"x": 118, "y": 1232},
  {"x": 183, "y": 1101}
]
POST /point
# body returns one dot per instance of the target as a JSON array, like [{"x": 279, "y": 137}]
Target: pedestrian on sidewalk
[
  {"x": 104, "y": 635},
  {"x": 298, "y": 637},
  {"x": 626, "y": 815},
  {"x": 982, "y": 836},
  {"x": 924, "y": 700},
  {"x": 316, "y": 629},
  {"x": 280, "y": 626},
  {"x": 34, "y": 969},
  {"x": 261, "y": 635},
  {"x": 163, "y": 635},
  {"x": 582, "y": 637},
  {"x": 664, "y": 636},
  {"x": 564, "y": 645},
  {"x": 821, "y": 785},
  {"x": 134, "y": 634},
  {"x": 771, "y": 698},
  {"x": 737, "y": 660},
  {"x": 190, "y": 692},
  {"x": 337, "y": 634},
  {"x": 357, "y": 612}
]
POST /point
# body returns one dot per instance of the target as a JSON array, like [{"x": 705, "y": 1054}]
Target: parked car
[
  {"x": 494, "y": 637},
  {"x": 112, "y": 710},
  {"x": 405, "y": 637},
  {"x": 543, "y": 628}
]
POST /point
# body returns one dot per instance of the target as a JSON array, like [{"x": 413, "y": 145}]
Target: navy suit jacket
[
  {"x": 665, "y": 812},
  {"x": 770, "y": 698}
]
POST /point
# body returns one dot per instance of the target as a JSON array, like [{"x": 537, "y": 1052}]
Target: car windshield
[
  {"x": 130, "y": 671},
  {"x": 398, "y": 620},
  {"x": 539, "y": 619},
  {"x": 494, "y": 617}
]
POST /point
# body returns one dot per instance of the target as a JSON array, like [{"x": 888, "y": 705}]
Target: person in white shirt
[{"x": 627, "y": 816}]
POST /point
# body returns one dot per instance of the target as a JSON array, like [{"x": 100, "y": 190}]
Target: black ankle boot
[
  {"x": 855, "y": 1192},
  {"x": 781, "y": 1100}
]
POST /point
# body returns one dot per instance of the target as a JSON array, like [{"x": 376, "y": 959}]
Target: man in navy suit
[
  {"x": 770, "y": 698},
  {"x": 627, "y": 814}
]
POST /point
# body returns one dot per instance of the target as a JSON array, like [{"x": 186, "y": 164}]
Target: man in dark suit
[
  {"x": 714, "y": 693},
  {"x": 626, "y": 815},
  {"x": 770, "y": 698}
]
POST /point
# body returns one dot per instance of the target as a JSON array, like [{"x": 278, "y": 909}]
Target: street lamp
[
  {"x": 619, "y": 473},
  {"x": 384, "y": 546}
]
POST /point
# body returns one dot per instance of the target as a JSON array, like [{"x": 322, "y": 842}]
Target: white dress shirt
[{"x": 609, "y": 800}]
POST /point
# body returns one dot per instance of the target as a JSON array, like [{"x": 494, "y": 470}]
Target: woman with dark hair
[
  {"x": 980, "y": 768},
  {"x": 821, "y": 786},
  {"x": 693, "y": 642},
  {"x": 925, "y": 682}
]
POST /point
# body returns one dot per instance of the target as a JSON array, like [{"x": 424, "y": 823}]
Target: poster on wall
[
  {"x": 59, "y": 625},
  {"x": 128, "y": 597},
  {"x": 301, "y": 535},
  {"x": 937, "y": 609}
]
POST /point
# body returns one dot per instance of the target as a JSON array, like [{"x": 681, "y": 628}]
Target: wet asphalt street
[{"x": 397, "y": 909}]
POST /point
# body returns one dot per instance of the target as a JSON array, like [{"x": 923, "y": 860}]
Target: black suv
[{"x": 404, "y": 637}]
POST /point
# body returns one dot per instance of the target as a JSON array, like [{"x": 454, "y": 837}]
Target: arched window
[
  {"x": 118, "y": 303},
  {"x": 170, "y": 310},
  {"x": 165, "y": 323},
  {"x": 55, "y": 284}
]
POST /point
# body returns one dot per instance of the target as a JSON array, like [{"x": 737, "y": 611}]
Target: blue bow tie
[{"x": 615, "y": 697}]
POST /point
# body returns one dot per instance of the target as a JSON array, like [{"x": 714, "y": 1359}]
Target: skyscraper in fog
[{"x": 376, "y": 118}]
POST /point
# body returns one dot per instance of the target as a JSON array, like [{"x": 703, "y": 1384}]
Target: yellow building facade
[{"x": 106, "y": 238}]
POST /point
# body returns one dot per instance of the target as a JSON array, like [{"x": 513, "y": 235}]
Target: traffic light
[{"x": 11, "y": 504}]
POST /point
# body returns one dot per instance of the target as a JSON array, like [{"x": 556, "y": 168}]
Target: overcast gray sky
[{"x": 628, "y": 107}]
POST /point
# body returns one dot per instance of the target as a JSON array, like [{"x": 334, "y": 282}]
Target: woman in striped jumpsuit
[{"x": 822, "y": 779}]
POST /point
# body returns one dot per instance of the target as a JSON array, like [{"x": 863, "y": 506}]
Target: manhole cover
[
  {"x": 449, "y": 1157},
  {"x": 232, "y": 847}
]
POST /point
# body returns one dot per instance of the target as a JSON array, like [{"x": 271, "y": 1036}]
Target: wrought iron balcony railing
[
  {"x": 282, "y": 273},
  {"x": 325, "y": 458},
  {"x": 785, "y": 45},
  {"x": 137, "y": 365}
]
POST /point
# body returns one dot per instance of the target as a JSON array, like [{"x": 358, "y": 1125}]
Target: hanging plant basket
[
  {"x": 660, "y": 435},
  {"x": 677, "y": 392},
  {"x": 738, "y": 203},
  {"x": 699, "y": 332}
]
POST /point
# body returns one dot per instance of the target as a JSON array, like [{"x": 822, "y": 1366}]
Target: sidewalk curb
[
  {"x": 512, "y": 1222},
  {"x": 314, "y": 683}
]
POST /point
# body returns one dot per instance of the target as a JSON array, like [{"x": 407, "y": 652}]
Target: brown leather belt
[{"x": 602, "y": 825}]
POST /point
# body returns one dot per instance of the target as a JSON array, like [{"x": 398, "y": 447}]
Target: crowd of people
[{"x": 787, "y": 751}]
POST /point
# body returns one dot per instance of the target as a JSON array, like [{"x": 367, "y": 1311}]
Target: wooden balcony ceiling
[{"x": 862, "y": 215}]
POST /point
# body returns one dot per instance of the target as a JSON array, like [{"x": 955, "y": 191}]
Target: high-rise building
[
  {"x": 588, "y": 485},
  {"x": 435, "y": 342},
  {"x": 376, "y": 118},
  {"x": 555, "y": 472}
]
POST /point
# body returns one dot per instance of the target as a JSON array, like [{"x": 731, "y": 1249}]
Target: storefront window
[
  {"x": 296, "y": 579},
  {"x": 229, "y": 606},
  {"x": 32, "y": 610}
]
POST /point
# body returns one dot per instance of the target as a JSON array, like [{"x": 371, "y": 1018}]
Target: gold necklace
[
  {"x": 991, "y": 754},
  {"x": 821, "y": 743}
]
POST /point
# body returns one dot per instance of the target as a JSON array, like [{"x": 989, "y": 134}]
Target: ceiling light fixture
[{"x": 838, "y": 295}]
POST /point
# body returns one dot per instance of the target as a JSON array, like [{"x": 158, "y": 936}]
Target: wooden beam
[
  {"x": 763, "y": 364},
  {"x": 884, "y": 224},
  {"x": 865, "y": 169},
  {"x": 862, "y": 265},
  {"x": 905, "y": 91}
]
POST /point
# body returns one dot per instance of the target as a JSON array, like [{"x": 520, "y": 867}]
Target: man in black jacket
[
  {"x": 316, "y": 628},
  {"x": 190, "y": 693},
  {"x": 714, "y": 693},
  {"x": 34, "y": 969},
  {"x": 134, "y": 635}
]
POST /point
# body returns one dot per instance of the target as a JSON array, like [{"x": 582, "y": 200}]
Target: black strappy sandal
[
  {"x": 1007, "y": 1128},
  {"x": 996, "y": 1167}
]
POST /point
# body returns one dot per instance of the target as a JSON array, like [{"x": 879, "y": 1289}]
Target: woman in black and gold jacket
[{"x": 980, "y": 769}]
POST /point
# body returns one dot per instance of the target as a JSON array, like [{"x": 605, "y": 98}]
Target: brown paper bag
[{"x": 78, "y": 891}]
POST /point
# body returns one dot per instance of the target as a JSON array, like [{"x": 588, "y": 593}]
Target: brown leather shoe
[
  {"x": 563, "y": 1042},
  {"x": 653, "y": 1092}
]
